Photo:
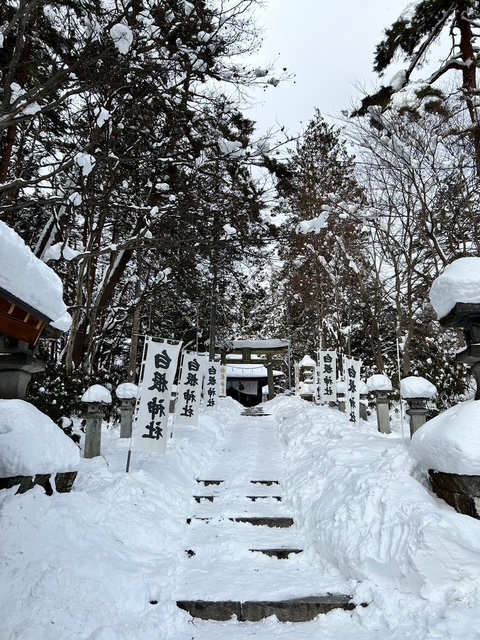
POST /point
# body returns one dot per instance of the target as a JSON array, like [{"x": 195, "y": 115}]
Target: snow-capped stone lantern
[
  {"x": 448, "y": 446},
  {"x": 127, "y": 393},
  {"x": 381, "y": 386},
  {"x": 95, "y": 398},
  {"x": 417, "y": 391},
  {"x": 455, "y": 296},
  {"x": 307, "y": 378}
]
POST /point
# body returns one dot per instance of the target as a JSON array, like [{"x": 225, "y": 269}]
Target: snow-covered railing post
[
  {"x": 381, "y": 386},
  {"x": 417, "y": 391},
  {"x": 127, "y": 393},
  {"x": 95, "y": 397}
]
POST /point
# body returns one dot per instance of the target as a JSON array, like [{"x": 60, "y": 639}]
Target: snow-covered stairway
[{"x": 243, "y": 551}]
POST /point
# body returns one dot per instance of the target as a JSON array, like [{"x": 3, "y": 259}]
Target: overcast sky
[{"x": 329, "y": 46}]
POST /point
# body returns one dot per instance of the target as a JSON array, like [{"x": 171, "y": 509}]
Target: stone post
[
  {"x": 380, "y": 385},
  {"x": 95, "y": 397},
  {"x": 93, "y": 429},
  {"x": 417, "y": 410},
  {"x": 127, "y": 393},
  {"x": 127, "y": 405},
  {"x": 417, "y": 391},
  {"x": 383, "y": 410}
]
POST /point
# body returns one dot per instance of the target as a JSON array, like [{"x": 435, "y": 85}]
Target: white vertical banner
[
  {"x": 151, "y": 418},
  {"x": 296, "y": 368},
  {"x": 190, "y": 388},
  {"x": 328, "y": 376},
  {"x": 212, "y": 384},
  {"x": 352, "y": 389},
  {"x": 223, "y": 380}
]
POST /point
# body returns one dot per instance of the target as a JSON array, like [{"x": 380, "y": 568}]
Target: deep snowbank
[
  {"x": 74, "y": 563},
  {"x": 365, "y": 512}
]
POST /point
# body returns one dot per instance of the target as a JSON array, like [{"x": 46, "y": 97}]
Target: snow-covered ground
[{"x": 108, "y": 560}]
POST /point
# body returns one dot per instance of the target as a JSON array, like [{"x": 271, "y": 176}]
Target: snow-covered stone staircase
[{"x": 243, "y": 550}]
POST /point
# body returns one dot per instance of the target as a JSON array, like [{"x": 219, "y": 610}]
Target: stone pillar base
[{"x": 461, "y": 492}]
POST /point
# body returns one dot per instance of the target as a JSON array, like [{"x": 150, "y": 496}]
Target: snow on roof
[
  {"x": 249, "y": 371},
  {"x": 30, "y": 280},
  {"x": 450, "y": 442},
  {"x": 460, "y": 282},
  {"x": 31, "y": 443},
  {"x": 417, "y": 387},
  {"x": 260, "y": 344},
  {"x": 379, "y": 382}
]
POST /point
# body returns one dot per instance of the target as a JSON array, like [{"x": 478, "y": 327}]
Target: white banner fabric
[
  {"x": 151, "y": 419},
  {"x": 328, "y": 376},
  {"x": 190, "y": 388},
  {"x": 223, "y": 380},
  {"x": 352, "y": 389},
  {"x": 212, "y": 383}
]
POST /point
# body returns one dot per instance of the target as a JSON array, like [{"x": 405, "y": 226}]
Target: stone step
[
  {"x": 282, "y": 553},
  {"x": 294, "y": 610},
  {"x": 207, "y": 483},
  {"x": 205, "y": 498},
  {"x": 254, "y": 498},
  {"x": 267, "y": 483},
  {"x": 265, "y": 521}
]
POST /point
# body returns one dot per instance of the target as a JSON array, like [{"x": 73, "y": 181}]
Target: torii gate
[{"x": 255, "y": 352}]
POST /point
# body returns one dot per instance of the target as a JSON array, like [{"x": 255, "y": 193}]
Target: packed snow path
[{"x": 243, "y": 551}]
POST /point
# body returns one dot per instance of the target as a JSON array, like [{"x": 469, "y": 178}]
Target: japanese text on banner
[
  {"x": 212, "y": 381},
  {"x": 352, "y": 389},
  {"x": 151, "y": 419},
  {"x": 190, "y": 388},
  {"x": 328, "y": 376}
]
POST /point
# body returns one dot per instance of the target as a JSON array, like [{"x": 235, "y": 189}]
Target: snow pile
[
  {"x": 450, "y": 442},
  {"x": 379, "y": 382},
  {"x": 366, "y": 513},
  {"x": 460, "y": 282},
  {"x": 97, "y": 393},
  {"x": 101, "y": 561},
  {"x": 307, "y": 361},
  {"x": 417, "y": 387},
  {"x": 86, "y": 162},
  {"x": 31, "y": 443},
  {"x": 122, "y": 37},
  {"x": 127, "y": 391},
  {"x": 31, "y": 280},
  {"x": 314, "y": 225}
]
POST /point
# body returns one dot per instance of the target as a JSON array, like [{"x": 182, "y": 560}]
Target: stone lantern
[
  {"x": 466, "y": 316},
  {"x": 448, "y": 446},
  {"x": 95, "y": 398},
  {"x": 127, "y": 393},
  {"x": 380, "y": 385},
  {"x": 307, "y": 378},
  {"x": 417, "y": 391}
]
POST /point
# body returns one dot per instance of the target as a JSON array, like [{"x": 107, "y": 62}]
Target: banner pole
[{"x": 400, "y": 390}]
